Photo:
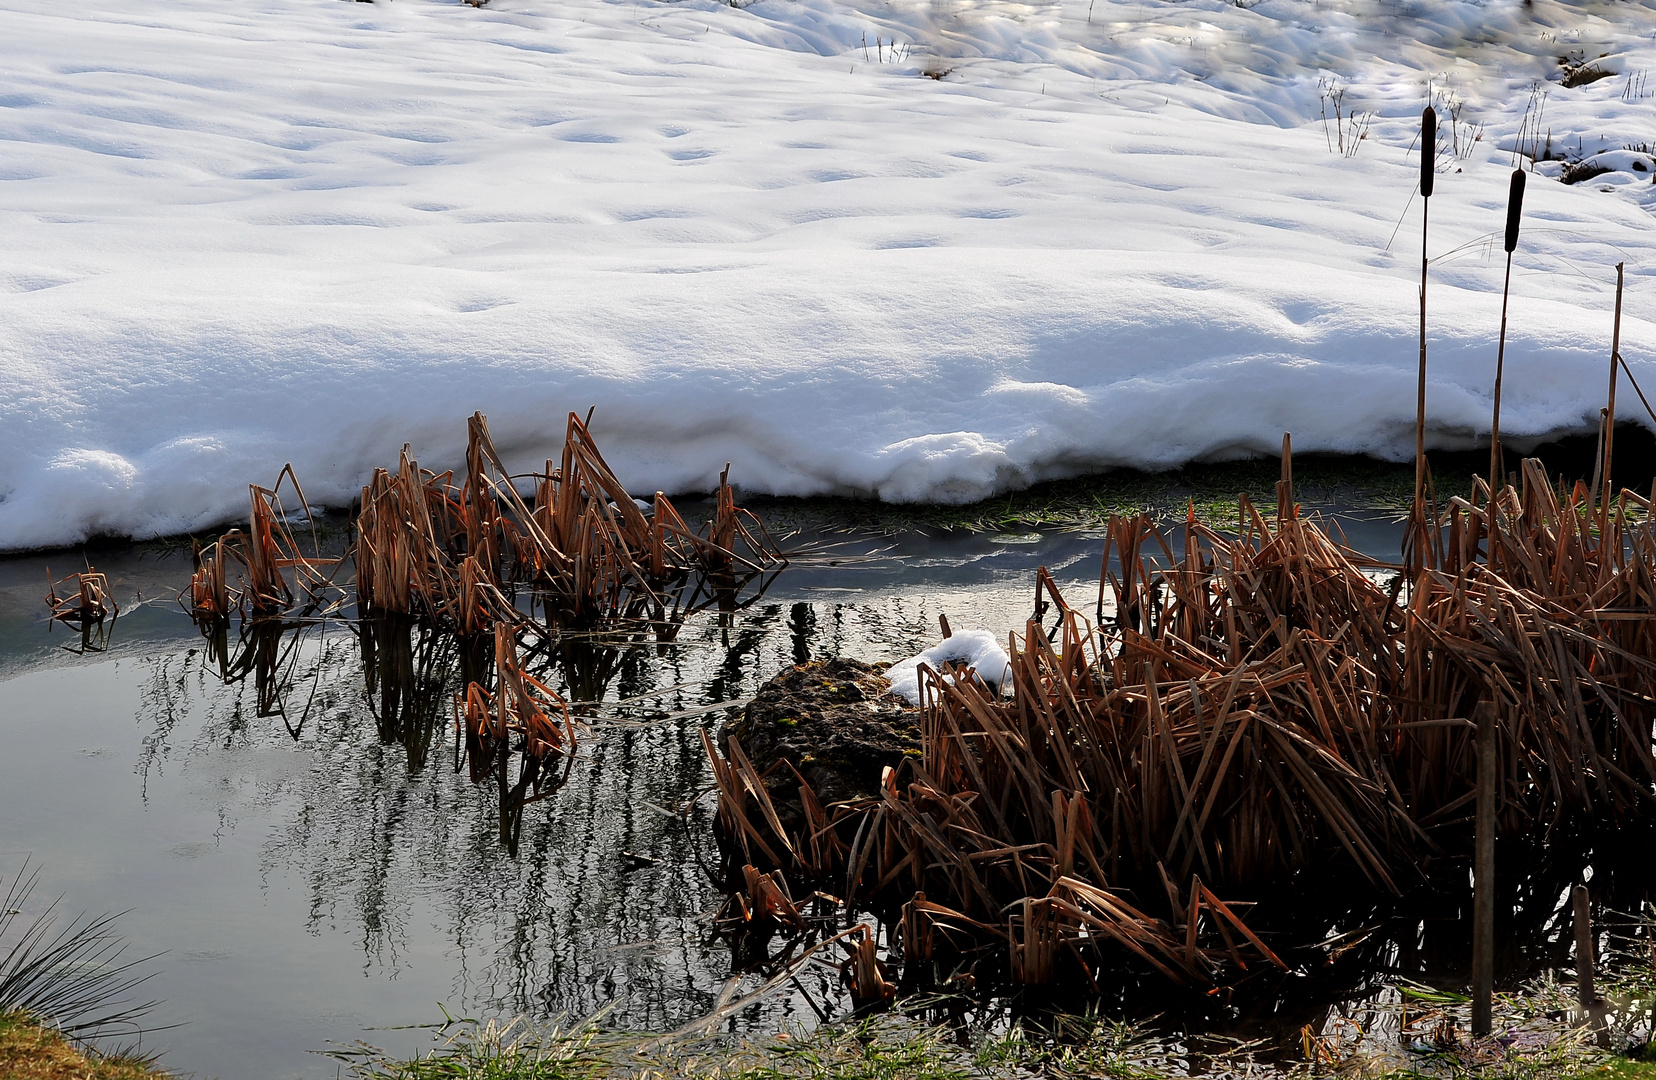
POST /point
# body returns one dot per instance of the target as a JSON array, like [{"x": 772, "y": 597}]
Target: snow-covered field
[{"x": 1112, "y": 232}]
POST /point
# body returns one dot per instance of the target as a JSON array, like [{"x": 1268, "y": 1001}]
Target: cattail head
[
  {"x": 1515, "y": 209},
  {"x": 1428, "y": 150}
]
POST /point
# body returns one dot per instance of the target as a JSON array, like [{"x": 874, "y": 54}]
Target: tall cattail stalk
[
  {"x": 1515, "y": 210},
  {"x": 1417, "y": 542},
  {"x": 1610, "y": 407}
]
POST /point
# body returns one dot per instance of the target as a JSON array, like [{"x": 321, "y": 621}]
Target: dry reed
[
  {"x": 1252, "y": 708},
  {"x": 265, "y": 553},
  {"x": 523, "y": 721},
  {"x": 585, "y": 549},
  {"x": 441, "y": 564},
  {"x": 88, "y": 599},
  {"x": 454, "y": 554}
]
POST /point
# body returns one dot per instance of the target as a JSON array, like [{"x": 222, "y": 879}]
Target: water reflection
[
  {"x": 408, "y": 672},
  {"x": 409, "y": 840},
  {"x": 337, "y": 739}
]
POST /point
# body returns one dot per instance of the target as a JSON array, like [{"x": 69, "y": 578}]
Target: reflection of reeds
[{"x": 406, "y": 670}]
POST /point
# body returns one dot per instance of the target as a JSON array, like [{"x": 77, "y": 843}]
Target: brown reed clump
[
  {"x": 266, "y": 553},
  {"x": 88, "y": 600},
  {"x": 1555, "y": 624},
  {"x": 410, "y": 530},
  {"x": 1250, "y": 709},
  {"x": 585, "y": 548},
  {"x": 520, "y": 706},
  {"x": 453, "y": 554}
]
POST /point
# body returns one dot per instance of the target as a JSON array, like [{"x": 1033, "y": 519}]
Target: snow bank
[
  {"x": 1112, "y": 233},
  {"x": 977, "y": 649}
]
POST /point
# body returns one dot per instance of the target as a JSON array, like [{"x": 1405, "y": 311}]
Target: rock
[{"x": 836, "y": 721}]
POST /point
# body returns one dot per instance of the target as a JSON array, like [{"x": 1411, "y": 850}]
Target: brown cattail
[
  {"x": 1428, "y": 150},
  {"x": 1515, "y": 209}
]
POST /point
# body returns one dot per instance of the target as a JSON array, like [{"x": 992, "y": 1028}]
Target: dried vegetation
[
  {"x": 87, "y": 599},
  {"x": 1247, "y": 708},
  {"x": 487, "y": 569}
]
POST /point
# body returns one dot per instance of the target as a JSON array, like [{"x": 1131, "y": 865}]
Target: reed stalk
[
  {"x": 1610, "y": 407},
  {"x": 1515, "y": 209},
  {"x": 88, "y": 600},
  {"x": 1418, "y": 545}
]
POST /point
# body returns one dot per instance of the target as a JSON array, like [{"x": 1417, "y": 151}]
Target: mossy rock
[{"x": 836, "y": 721}]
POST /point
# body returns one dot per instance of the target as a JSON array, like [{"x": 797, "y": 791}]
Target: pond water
[
  {"x": 312, "y": 861},
  {"x": 321, "y": 874}
]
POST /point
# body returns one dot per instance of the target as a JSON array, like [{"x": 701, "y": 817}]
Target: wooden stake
[
  {"x": 1585, "y": 993},
  {"x": 1483, "y": 888}
]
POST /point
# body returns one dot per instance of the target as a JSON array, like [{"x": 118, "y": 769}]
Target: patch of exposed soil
[{"x": 836, "y": 721}]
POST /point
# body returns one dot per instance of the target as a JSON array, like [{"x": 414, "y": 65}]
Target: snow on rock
[
  {"x": 977, "y": 649},
  {"x": 1111, "y": 232}
]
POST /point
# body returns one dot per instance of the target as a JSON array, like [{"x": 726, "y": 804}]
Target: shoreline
[
  {"x": 33, "y": 1051},
  {"x": 1332, "y": 482}
]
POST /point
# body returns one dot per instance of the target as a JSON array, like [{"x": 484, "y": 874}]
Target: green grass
[
  {"x": 890, "y": 1046},
  {"x": 880, "y": 1049},
  {"x": 70, "y": 972},
  {"x": 1544, "y": 1067},
  {"x": 893, "y": 1046},
  {"x": 493, "y": 1051},
  {"x": 1620, "y": 1069}
]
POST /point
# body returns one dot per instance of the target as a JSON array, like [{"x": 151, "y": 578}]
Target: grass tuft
[
  {"x": 514, "y": 1050},
  {"x": 30, "y": 1051},
  {"x": 71, "y": 975},
  {"x": 1540, "y": 1043},
  {"x": 879, "y": 1048}
]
